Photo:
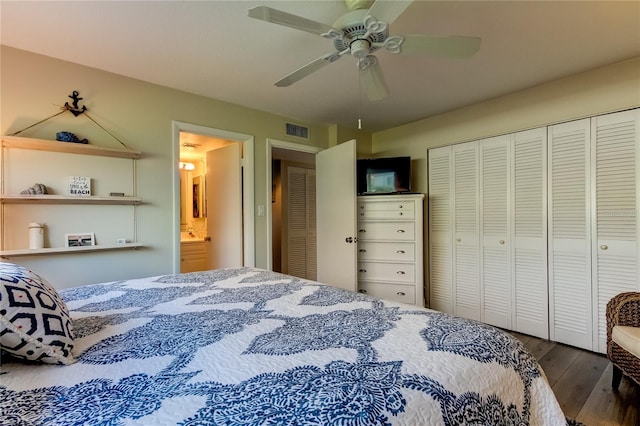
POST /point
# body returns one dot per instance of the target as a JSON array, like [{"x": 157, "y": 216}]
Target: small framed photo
[{"x": 80, "y": 239}]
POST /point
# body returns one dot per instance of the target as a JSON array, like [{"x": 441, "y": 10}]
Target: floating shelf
[
  {"x": 67, "y": 199},
  {"x": 5, "y": 254},
  {"x": 67, "y": 147}
]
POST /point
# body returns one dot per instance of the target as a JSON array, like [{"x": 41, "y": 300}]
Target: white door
[
  {"x": 570, "y": 318},
  {"x": 224, "y": 206},
  {"x": 440, "y": 230},
  {"x": 495, "y": 229},
  {"x": 614, "y": 154},
  {"x": 529, "y": 238},
  {"x": 336, "y": 215},
  {"x": 466, "y": 282}
]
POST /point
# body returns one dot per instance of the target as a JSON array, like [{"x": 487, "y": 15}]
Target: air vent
[{"x": 297, "y": 131}]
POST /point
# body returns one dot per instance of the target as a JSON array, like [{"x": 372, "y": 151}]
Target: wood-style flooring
[{"x": 581, "y": 381}]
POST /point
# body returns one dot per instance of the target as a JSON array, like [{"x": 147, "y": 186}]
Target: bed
[{"x": 246, "y": 346}]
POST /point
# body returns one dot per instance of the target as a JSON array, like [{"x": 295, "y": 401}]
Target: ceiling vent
[{"x": 297, "y": 130}]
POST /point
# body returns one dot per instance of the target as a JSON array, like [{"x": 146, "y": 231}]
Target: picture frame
[{"x": 79, "y": 239}]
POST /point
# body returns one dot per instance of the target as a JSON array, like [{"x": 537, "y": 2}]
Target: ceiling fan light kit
[{"x": 361, "y": 32}]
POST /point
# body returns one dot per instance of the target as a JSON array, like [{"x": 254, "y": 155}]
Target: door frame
[
  {"x": 248, "y": 203},
  {"x": 291, "y": 146}
]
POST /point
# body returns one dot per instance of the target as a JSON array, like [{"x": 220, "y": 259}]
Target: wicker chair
[{"x": 623, "y": 315}]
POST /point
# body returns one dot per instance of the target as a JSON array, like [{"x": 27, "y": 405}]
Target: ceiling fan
[{"x": 362, "y": 31}]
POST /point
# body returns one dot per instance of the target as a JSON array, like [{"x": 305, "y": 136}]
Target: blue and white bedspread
[{"x": 251, "y": 347}]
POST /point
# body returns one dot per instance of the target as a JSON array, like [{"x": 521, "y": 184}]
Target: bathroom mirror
[{"x": 198, "y": 197}]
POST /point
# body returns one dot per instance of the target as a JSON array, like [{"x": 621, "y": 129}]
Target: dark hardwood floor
[{"x": 581, "y": 381}]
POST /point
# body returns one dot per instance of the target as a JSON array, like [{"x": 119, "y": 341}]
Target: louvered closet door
[
  {"x": 570, "y": 234},
  {"x": 529, "y": 241},
  {"x": 296, "y": 222},
  {"x": 440, "y": 230},
  {"x": 495, "y": 229},
  {"x": 311, "y": 246},
  {"x": 466, "y": 270},
  {"x": 615, "y": 248}
]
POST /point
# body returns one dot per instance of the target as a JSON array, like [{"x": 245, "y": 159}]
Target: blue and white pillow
[{"x": 34, "y": 320}]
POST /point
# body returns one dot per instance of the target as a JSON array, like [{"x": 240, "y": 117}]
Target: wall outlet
[{"x": 120, "y": 241}]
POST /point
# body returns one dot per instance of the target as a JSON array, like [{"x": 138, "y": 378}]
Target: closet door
[
  {"x": 440, "y": 230},
  {"x": 570, "y": 312},
  {"x": 311, "y": 245},
  {"x": 495, "y": 223},
  {"x": 614, "y": 153},
  {"x": 529, "y": 238},
  {"x": 296, "y": 249},
  {"x": 466, "y": 259}
]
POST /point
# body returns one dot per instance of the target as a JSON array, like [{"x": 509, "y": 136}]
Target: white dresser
[{"x": 390, "y": 248}]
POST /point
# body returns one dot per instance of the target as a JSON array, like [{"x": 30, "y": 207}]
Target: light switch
[{"x": 260, "y": 210}]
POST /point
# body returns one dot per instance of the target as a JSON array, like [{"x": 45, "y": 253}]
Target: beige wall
[
  {"x": 611, "y": 88},
  {"x": 33, "y": 87}
]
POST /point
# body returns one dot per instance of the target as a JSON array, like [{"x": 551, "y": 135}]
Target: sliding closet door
[
  {"x": 466, "y": 271},
  {"x": 529, "y": 237},
  {"x": 614, "y": 156},
  {"x": 570, "y": 234},
  {"x": 440, "y": 230},
  {"x": 495, "y": 224}
]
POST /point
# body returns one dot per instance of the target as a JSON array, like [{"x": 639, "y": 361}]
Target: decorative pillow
[{"x": 35, "y": 322}]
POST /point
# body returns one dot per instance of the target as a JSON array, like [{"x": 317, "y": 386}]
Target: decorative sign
[{"x": 80, "y": 186}]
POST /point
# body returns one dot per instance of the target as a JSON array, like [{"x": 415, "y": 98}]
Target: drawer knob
[
  {"x": 458, "y": 239},
  {"x": 362, "y": 270},
  {"x": 400, "y": 252},
  {"x": 400, "y": 213},
  {"x": 361, "y": 214},
  {"x": 501, "y": 241},
  {"x": 401, "y": 293},
  {"x": 362, "y": 230},
  {"x": 400, "y": 231},
  {"x": 362, "y": 251},
  {"x": 362, "y": 290},
  {"x": 400, "y": 272},
  {"x": 604, "y": 247},
  {"x": 400, "y": 206}
]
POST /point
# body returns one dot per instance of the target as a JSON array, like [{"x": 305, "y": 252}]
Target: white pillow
[{"x": 35, "y": 322}]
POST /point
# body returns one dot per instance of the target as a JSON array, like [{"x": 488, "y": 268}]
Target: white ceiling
[{"x": 212, "y": 48}]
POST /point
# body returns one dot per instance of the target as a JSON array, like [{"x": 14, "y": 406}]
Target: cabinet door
[
  {"x": 440, "y": 230},
  {"x": 495, "y": 228},
  {"x": 570, "y": 234},
  {"x": 614, "y": 152},
  {"x": 311, "y": 244},
  {"x": 466, "y": 271},
  {"x": 529, "y": 237}
]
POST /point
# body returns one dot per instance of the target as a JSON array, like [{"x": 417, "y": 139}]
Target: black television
[{"x": 390, "y": 175}]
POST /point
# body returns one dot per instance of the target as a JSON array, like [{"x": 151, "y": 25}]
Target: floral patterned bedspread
[{"x": 251, "y": 347}]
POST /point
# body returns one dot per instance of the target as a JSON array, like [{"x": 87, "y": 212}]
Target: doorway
[
  {"x": 295, "y": 155},
  {"x": 247, "y": 147}
]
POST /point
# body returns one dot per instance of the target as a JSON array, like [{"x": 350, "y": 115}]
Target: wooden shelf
[
  {"x": 5, "y": 254},
  {"x": 67, "y": 147},
  {"x": 66, "y": 199}
]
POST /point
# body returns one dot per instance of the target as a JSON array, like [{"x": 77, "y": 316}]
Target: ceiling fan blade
[
  {"x": 311, "y": 67},
  {"x": 388, "y": 11},
  {"x": 371, "y": 76},
  {"x": 440, "y": 46},
  {"x": 279, "y": 17}
]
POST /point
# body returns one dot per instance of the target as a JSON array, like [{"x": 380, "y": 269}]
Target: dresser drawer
[
  {"x": 392, "y": 251},
  {"x": 395, "y": 292},
  {"x": 386, "y": 210},
  {"x": 391, "y": 272},
  {"x": 404, "y": 231}
]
